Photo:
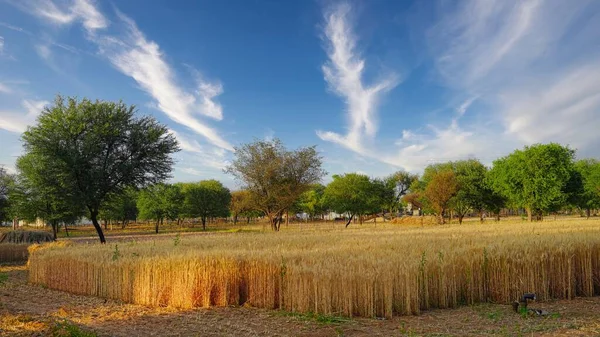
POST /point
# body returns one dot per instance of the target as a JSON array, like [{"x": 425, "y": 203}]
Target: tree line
[{"x": 102, "y": 160}]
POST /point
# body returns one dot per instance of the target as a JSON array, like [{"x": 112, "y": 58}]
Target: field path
[{"x": 27, "y": 310}]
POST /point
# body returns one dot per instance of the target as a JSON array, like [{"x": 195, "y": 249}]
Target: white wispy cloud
[
  {"x": 187, "y": 144},
  {"x": 66, "y": 12},
  {"x": 141, "y": 59},
  {"x": 462, "y": 109},
  {"x": 534, "y": 66},
  {"x": 1, "y": 45},
  {"x": 13, "y": 27},
  {"x": 18, "y": 122},
  {"x": 5, "y": 89},
  {"x": 43, "y": 51},
  {"x": 131, "y": 53},
  {"x": 344, "y": 75}
]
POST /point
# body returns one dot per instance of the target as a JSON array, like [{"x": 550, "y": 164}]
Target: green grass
[
  {"x": 3, "y": 278},
  {"x": 322, "y": 319},
  {"x": 67, "y": 329}
]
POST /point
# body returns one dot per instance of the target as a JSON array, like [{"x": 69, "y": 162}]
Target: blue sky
[{"x": 378, "y": 86}]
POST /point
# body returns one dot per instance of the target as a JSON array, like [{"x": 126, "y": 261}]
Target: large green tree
[
  {"x": 352, "y": 193},
  {"x": 538, "y": 178},
  {"x": 100, "y": 148},
  {"x": 589, "y": 197},
  {"x": 206, "y": 199},
  {"x": 275, "y": 176}
]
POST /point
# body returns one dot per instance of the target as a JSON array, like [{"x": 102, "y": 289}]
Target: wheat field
[{"x": 369, "y": 272}]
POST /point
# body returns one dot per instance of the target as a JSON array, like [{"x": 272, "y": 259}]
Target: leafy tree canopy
[
  {"x": 537, "y": 178},
  {"x": 99, "y": 149}
]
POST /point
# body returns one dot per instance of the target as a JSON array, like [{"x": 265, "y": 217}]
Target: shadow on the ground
[{"x": 27, "y": 310}]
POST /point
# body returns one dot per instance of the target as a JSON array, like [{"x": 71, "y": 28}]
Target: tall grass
[{"x": 375, "y": 272}]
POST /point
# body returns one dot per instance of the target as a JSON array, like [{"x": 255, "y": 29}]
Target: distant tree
[
  {"x": 537, "y": 178},
  {"x": 311, "y": 202},
  {"x": 241, "y": 204},
  {"x": 40, "y": 193},
  {"x": 415, "y": 199},
  {"x": 350, "y": 193},
  {"x": 589, "y": 197},
  {"x": 440, "y": 190},
  {"x": 397, "y": 185},
  {"x": 99, "y": 149},
  {"x": 475, "y": 193},
  {"x": 207, "y": 198},
  {"x": 158, "y": 202},
  {"x": 5, "y": 183},
  {"x": 121, "y": 207},
  {"x": 275, "y": 176}
]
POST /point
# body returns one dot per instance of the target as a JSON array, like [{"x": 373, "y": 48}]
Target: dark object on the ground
[
  {"x": 521, "y": 306},
  {"x": 26, "y": 237}
]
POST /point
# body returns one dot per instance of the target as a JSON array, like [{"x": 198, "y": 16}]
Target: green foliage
[
  {"x": 537, "y": 178},
  {"x": 121, "y": 207},
  {"x": 67, "y": 329},
  {"x": 6, "y": 181},
  {"x": 589, "y": 172},
  {"x": 160, "y": 201},
  {"x": 207, "y": 198},
  {"x": 396, "y": 186},
  {"x": 312, "y": 202},
  {"x": 116, "y": 253},
  {"x": 42, "y": 191},
  {"x": 98, "y": 149},
  {"x": 355, "y": 194}
]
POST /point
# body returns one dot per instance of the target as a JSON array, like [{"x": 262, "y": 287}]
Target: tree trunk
[
  {"x": 247, "y": 220},
  {"x": 66, "y": 229},
  {"x": 480, "y": 216},
  {"x": 94, "y": 218},
  {"x": 529, "y": 214},
  {"x": 123, "y": 224},
  {"x": 279, "y": 220},
  {"x": 349, "y": 221},
  {"x": 442, "y": 219},
  {"x": 588, "y": 212},
  {"x": 15, "y": 224},
  {"x": 54, "y": 225},
  {"x": 105, "y": 224},
  {"x": 287, "y": 218},
  {"x": 460, "y": 219},
  {"x": 156, "y": 226},
  {"x": 235, "y": 217},
  {"x": 203, "y": 223}
]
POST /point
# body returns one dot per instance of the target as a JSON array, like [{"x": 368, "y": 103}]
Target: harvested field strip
[
  {"x": 383, "y": 272},
  {"x": 11, "y": 252}
]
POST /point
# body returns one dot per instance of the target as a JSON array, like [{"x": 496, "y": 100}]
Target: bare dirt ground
[{"x": 27, "y": 310}]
